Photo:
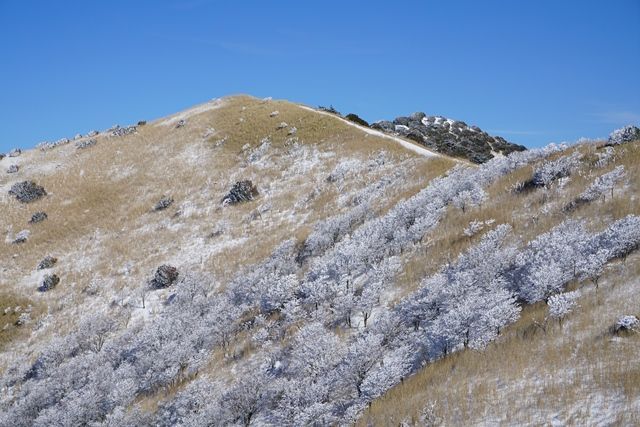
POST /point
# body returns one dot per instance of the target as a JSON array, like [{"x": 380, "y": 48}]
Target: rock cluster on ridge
[{"x": 450, "y": 137}]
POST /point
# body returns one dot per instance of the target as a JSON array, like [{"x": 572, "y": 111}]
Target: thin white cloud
[{"x": 617, "y": 117}]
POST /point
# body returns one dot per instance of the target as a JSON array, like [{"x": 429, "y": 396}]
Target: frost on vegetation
[
  {"x": 260, "y": 151},
  {"x": 603, "y": 184},
  {"x": 552, "y": 170},
  {"x": 605, "y": 157},
  {"x": 623, "y": 135},
  {"x": 475, "y": 227},
  {"x": 13, "y": 169},
  {"x": 344, "y": 168},
  {"x": 274, "y": 113},
  {"x": 344, "y": 347},
  {"x": 560, "y": 305}
]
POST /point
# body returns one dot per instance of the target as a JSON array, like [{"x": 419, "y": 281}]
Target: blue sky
[{"x": 533, "y": 72}]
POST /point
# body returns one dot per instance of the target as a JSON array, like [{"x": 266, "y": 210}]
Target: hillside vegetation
[{"x": 257, "y": 262}]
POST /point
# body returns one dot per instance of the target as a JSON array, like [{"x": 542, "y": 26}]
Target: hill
[{"x": 259, "y": 262}]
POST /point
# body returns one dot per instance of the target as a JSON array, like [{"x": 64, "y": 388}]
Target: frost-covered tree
[{"x": 561, "y": 305}]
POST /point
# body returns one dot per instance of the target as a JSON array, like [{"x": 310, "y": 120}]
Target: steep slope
[
  {"x": 355, "y": 261},
  {"x": 450, "y": 137},
  {"x": 102, "y": 228}
]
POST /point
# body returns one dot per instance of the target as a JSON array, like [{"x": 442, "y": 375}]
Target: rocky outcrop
[
  {"x": 27, "y": 191},
  {"x": 163, "y": 204},
  {"x": 47, "y": 262},
  {"x": 166, "y": 275},
  {"x": 117, "y": 131},
  {"x": 624, "y": 135},
  {"x": 450, "y": 137},
  {"x": 242, "y": 191},
  {"x": 21, "y": 237},
  {"x": 15, "y": 152},
  {"x": 626, "y": 324},
  {"x": 38, "y": 217},
  {"x": 13, "y": 169},
  {"x": 86, "y": 143},
  {"x": 49, "y": 282}
]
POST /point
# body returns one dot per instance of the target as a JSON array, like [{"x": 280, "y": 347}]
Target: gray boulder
[
  {"x": 163, "y": 204},
  {"x": 50, "y": 281},
  {"x": 181, "y": 124},
  {"x": 166, "y": 275},
  {"x": 242, "y": 191},
  {"x": 27, "y": 191},
  {"x": 626, "y": 324},
  {"x": 86, "y": 143},
  {"x": 47, "y": 262},
  {"x": 118, "y": 131},
  {"x": 13, "y": 169},
  {"x": 38, "y": 217},
  {"x": 22, "y": 237}
]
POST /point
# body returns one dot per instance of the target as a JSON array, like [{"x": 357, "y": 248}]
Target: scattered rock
[
  {"x": 15, "y": 152},
  {"x": 274, "y": 113},
  {"x": 50, "y": 281},
  {"x": 120, "y": 131},
  {"x": 92, "y": 133},
  {"x": 180, "y": 124},
  {"x": 38, "y": 217},
  {"x": 626, "y": 324},
  {"x": 282, "y": 125},
  {"x": 13, "y": 169},
  {"x": 47, "y": 262},
  {"x": 242, "y": 191},
  {"x": 166, "y": 275},
  {"x": 623, "y": 135},
  {"x": 77, "y": 136},
  {"x": 21, "y": 237},
  {"x": 163, "y": 203},
  {"x": 292, "y": 131},
  {"x": 27, "y": 191},
  {"x": 46, "y": 145},
  {"x": 142, "y": 122},
  {"x": 86, "y": 143}
]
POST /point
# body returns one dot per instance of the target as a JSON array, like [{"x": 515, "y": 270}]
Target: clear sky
[{"x": 533, "y": 72}]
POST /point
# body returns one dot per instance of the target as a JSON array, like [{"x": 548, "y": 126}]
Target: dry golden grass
[
  {"x": 513, "y": 382},
  {"x": 529, "y": 376},
  {"x": 100, "y": 222}
]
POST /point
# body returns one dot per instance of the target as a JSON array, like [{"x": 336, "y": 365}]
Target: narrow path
[{"x": 405, "y": 143}]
